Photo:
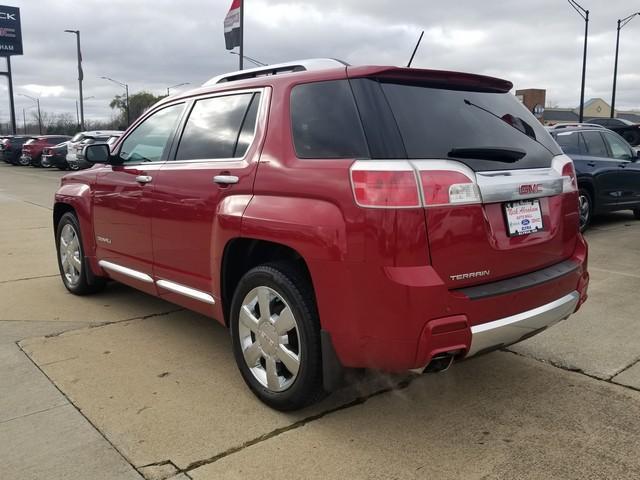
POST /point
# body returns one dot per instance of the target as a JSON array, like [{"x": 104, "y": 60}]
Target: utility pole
[
  {"x": 585, "y": 16},
  {"x": 80, "y": 75},
  {"x": 241, "y": 56},
  {"x": 37, "y": 100},
  {"x": 621, "y": 23}
]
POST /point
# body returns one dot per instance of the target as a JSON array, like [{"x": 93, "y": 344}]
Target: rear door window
[
  {"x": 219, "y": 127},
  {"x": 571, "y": 143},
  {"x": 595, "y": 144},
  {"x": 440, "y": 123},
  {"x": 325, "y": 122}
]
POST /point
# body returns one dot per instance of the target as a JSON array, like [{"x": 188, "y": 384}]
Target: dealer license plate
[{"x": 523, "y": 217}]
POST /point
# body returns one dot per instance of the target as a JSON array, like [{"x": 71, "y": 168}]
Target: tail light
[
  {"x": 381, "y": 184},
  {"x": 404, "y": 184},
  {"x": 564, "y": 166},
  {"x": 446, "y": 187}
]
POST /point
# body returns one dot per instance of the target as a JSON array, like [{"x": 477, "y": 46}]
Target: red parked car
[
  {"x": 32, "y": 149},
  {"x": 335, "y": 217}
]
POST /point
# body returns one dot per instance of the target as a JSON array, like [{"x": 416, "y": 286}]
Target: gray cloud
[{"x": 151, "y": 44}]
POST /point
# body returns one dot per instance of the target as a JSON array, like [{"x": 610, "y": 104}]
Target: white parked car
[{"x": 74, "y": 146}]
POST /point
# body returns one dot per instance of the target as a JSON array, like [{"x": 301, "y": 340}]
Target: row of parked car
[{"x": 48, "y": 151}]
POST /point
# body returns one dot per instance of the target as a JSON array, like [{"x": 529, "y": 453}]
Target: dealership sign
[{"x": 10, "y": 31}]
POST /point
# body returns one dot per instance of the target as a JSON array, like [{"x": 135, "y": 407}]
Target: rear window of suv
[
  {"x": 435, "y": 123},
  {"x": 325, "y": 122}
]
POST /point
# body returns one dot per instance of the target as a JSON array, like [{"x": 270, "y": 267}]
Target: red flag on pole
[{"x": 232, "y": 27}]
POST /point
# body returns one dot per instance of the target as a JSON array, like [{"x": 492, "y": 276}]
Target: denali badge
[
  {"x": 530, "y": 188},
  {"x": 103, "y": 239},
  {"x": 465, "y": 276}
]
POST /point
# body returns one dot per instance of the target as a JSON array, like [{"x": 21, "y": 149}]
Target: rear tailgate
[{"x": 483, "y": 162}]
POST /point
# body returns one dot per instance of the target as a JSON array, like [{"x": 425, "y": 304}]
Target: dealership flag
[{"x": 232, "y": 26}]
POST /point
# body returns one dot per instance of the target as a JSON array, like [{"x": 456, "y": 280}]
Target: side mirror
[{"x": 96, "y": 153}]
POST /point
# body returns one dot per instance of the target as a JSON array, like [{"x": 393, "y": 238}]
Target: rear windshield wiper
[{"x": 499, "y": 154}]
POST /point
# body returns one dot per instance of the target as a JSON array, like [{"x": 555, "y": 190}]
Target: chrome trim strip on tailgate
[
  {"x": 520, "y": 282},
  {"x": 129, "y": 272},
  {"x": 509, "y": 330},
  {"x": 186, "y": 291},
  {"x": 504, "y": 186}
]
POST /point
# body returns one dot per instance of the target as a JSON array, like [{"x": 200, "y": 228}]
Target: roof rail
[{"x": 287, "y": 67}]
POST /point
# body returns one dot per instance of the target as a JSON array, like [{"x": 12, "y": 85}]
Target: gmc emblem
[{"x": 529, "y": 188}]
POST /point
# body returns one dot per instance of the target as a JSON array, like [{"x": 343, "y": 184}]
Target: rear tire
[
  {"x": 73, "y": 266},
  {"x": 585, "y": 207},
  {"x": 278, "y": 351}
]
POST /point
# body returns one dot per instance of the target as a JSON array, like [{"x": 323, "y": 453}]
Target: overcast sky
[{"x": 152, "y": 44}]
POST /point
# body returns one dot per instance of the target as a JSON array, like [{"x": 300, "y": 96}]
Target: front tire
[
  {"x": 585, "y": 206},
  {"x": 71, "y": 261},
  {"x": 276, "y": 336}
]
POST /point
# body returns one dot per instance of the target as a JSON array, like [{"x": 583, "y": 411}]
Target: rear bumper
[
  {"x": 506, "y": 331},
  {"x": 402, "y": 318}
]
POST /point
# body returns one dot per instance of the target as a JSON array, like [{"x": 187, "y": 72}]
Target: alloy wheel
[
  {"x": 69, "y": 251},
  {"x": 585, "y": 210},
  {"x": 269, "y": 338}
]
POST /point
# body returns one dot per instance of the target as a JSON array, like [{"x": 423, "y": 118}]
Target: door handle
[
  {"x": 592, "y": 164},
  {"x": 143, "y": 178},
  {"x": 226, "y": 179}
]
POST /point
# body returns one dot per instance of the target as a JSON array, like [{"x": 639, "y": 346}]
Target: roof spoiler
[{"x": 434, "y": 78}]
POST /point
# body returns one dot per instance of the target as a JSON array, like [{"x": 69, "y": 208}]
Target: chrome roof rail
[{"x": 287, "y": 67}]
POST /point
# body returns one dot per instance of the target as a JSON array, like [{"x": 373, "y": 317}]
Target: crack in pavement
[
  {"x": 577, "y": 370},
  {"x": 70, "y": 402},
  {"x": 295, "y": 425},
  {"x": 28, "y": 278},
  {"x": 34, "y": 413}
]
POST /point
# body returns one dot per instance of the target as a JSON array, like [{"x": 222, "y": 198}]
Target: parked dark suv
[
  {"x": 627, "y": 129},
  {"x": 335, "y": 217},
  {"x": 11, "y": 147},
  {"x": 607, "y": 167}
]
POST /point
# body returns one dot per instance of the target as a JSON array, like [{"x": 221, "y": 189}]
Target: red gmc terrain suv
[{"x": 335, "y": 217}]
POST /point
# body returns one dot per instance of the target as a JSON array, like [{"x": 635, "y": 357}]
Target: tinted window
[
  {"x": 595, "y": 144},
  {"x": 248, "y": 127},
  {"x": 149, "y": 140},
  {"x": 570, "y": 142},
  {"x": 619, "y": 148},
  {"x": 214, "y": 126},
  {"x": 433, "y": 122},
  {"x": 325, "y": 122}
]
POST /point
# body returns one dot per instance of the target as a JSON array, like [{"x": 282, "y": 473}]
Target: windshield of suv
[{"x": 438, "y": 123}]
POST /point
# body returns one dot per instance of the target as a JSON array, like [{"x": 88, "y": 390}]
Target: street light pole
[
  {"x": 585, "y": 15},
  {"x": 80, "y": 75},
  {"x": 37, "y": 100},
  {"x": 126, "y": 89},
  {"x": 176, "y": 86},
  {"x": 621, "y": 23}
]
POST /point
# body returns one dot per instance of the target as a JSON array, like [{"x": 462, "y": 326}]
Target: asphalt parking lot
[{"x": 123, "y": 385}]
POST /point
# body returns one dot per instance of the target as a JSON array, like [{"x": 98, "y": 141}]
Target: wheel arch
[{"x": 242, "y": 254}]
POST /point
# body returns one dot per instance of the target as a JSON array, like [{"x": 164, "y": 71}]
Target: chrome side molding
[
  {"x": 165, "y": 284},
  {"x": 186, "y": 291},
  {"x": 129, "y": 272}
]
